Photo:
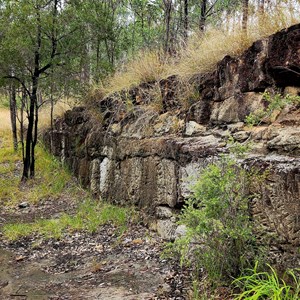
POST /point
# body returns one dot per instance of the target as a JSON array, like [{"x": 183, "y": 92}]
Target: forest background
[{"x": 61, "y": 49}]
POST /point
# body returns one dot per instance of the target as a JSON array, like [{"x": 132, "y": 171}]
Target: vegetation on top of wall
[{"x": 201, "y": 53}]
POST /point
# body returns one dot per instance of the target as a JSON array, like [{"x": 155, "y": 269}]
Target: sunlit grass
[
  {"x": 50, "y": 181},
  {"x": 147, "y": 66},
  {"x": 89, "y": 217},
  {"x": 4, "y": 119}
]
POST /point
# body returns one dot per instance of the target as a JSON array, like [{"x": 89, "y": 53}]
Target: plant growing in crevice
[
  {"x": 219, "y": 239},
  {"x": 275, "y": 103}
]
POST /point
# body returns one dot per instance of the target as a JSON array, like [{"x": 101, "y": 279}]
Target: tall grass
[
  {"x": 60, "y": 107},
  {"x": 267, "y": 285},
  {"x": 147, "y": 66},
  {"x": 201, "y": 54},
  {"x": 4, "y": 119},
  {"x": 50, "y": 180}
]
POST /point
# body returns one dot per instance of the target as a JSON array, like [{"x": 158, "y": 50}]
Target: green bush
[
  {"x": 275, "y": 102},
  {"x": 219, "y": 235},
  {"x": 267, "y": 285}
]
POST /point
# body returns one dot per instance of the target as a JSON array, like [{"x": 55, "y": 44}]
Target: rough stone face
[
  {"x": 150, "y": 157},
  {"x": 95, "y": 177},
  {"x": 277, "y": 209},
  {"x": 166, "y": 229},
  {"x": 284, "y": 56},
  {"x": 193, "y": 128},
  {"x": 166, "y": 183}
]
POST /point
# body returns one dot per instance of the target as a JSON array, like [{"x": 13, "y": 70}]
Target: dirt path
[
  {"x": 85, "y": 266},
  {"x": 81, "y": 265}
]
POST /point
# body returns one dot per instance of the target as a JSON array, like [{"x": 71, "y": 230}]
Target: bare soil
[{"x": 81, "y": 265}]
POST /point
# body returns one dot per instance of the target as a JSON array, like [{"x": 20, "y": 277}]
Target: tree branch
[{"x": 20, "y": 81}]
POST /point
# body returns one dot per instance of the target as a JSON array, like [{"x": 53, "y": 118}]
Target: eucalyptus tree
[{"x": 36, "y": 37}]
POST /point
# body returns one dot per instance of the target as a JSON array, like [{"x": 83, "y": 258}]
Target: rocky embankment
[{"x": 144, "y": 146}]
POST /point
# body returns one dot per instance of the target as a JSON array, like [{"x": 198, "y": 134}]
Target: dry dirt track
[{"x": 82, "y": 265}]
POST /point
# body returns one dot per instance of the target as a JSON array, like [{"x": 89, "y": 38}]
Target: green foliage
[
  {"x": 219, "y": 237},
  {"x": 275, "y": 103},
  {"x": 267, "y": 285},
  {"x": 51, "y": 177},
  {"x": 4, "y": 101},
  {"x": 89, "y": 217}
]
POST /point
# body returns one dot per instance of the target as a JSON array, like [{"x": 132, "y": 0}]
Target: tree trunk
[
  {"x": 22, "y": 123},
  {"x": 186, "y": 20},
  {"x": 34, "y": 140},
  {"x": 168, "y": 9},
  {"x": 29, "y": 138},
  {"x": 13, "y": 115},
  {"x": 245, "y": 15},
  {"x": 203, "y": 12}
]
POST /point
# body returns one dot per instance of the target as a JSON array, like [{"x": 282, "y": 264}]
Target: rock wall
[{"x": 145, "y": 152}]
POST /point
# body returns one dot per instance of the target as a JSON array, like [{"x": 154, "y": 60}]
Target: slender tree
[
  {"x": 32, "y": 43},
  {"x": 245, "y": 15}
]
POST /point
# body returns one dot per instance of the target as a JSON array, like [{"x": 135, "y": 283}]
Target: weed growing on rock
[
  {"x": 275, "y": 104},
  {"x": 219, "y": 239}
]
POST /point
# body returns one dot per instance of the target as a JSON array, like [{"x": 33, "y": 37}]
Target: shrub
[
  {"x": 219, "y": 231},
  {"x": 275, "y": 103}
]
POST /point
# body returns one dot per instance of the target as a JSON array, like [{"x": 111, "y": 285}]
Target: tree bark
[
  {"x": 245, "y": 15},
  {"x": 203, "y": 12},
  {"x": 186, "y": 20},
  {"x": 13, "y": 115},
  {"x": 31, "y": 137},
  {"x": 23, "y": 101},
  {"x": 168, "y": 9}
]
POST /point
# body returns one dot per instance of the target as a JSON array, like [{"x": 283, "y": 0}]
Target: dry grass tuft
[
  {"x": 146, "y": 67},
  {"x": 201, "y": 54},
  {"x": 4, "y": 119},
  {"x": 59, "y": 109}
]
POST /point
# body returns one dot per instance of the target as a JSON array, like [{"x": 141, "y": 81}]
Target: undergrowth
[
  {"x": 219, "y": 242},
  {"x": 50, "y": 181},
  {"x": 257, "y": 285},
  {"x": 89, "y": 217}
]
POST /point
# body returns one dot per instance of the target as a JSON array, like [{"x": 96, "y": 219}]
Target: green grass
[
  {"x": 89, "y": 217},
  {"x": 267, "y": 285},
  {"x": 51, "y": 180}
]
